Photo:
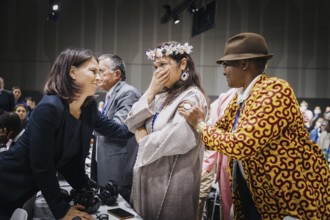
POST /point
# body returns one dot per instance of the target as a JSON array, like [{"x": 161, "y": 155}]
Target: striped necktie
[{"x": 107, "y": 101}]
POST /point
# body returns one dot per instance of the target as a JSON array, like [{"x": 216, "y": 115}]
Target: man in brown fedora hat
[{"x": 276, "y": 170}]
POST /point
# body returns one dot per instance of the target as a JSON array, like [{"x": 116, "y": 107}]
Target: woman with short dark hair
[{"x": 57, "y": 138}]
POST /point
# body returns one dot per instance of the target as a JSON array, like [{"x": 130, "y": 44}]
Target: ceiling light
[
  {"x": 176, "y": 19},
  {"x": 55, "y": 7}
]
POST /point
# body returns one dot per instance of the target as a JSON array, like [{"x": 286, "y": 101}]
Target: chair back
[{"x": 19, "y": 214}]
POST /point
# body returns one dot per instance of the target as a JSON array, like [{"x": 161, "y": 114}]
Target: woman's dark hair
[
  {"x": 327, "y": 126},
  {"x": 193, "y": 77},
  {"x": 26, "y": 111},
  {"x": 15, "y": 87},
  {"x": 60, "y": 82},
  {"x": 20, "y": 105},
  {"x": 12, "y": 122}
]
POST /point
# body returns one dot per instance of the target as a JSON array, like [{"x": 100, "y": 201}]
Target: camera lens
[{"x": 103, "y": 217}]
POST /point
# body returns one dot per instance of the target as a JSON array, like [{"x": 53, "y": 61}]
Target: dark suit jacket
[
  {"x": 116, "y": 158},
  {"x": 7, "y": 100},
  {"x": 44, "y": 148}
]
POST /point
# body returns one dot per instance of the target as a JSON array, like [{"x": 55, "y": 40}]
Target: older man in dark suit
[
  {"x": 116, "y": 158},
  {"x": 7, "y": 100}
]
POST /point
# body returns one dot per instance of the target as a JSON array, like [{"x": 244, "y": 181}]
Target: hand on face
[
  {"x": 192, "y": 114},
  {"x": 159, "y": 78}
]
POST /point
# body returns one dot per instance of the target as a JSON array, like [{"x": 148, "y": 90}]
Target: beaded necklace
[
  {"x": 153, "y": 121},
  {"x": 158, "y": 108}
]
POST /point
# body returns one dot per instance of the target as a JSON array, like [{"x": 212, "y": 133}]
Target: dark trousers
[
  {"x": 249, "y": 209},
  {"x": 125, "y": 192},
  {"x": 7, "y": 209}
]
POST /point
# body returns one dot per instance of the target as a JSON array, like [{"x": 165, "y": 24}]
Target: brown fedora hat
[{"x": 245, "y": 46}]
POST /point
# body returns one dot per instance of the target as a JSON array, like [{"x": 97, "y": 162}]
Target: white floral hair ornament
[{"x": 169, "y": 50}]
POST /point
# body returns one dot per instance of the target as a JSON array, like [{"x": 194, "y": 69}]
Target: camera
[
  {"x": 109, "y": 193},
  {"x": 66, "y": 195},
  {"x": 103, "y": 216},
  {"x": 86, "y": 197},
  {"x": 92, "y": 195}
]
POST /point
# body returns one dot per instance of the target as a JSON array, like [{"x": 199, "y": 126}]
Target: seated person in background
[
  {"x": 308, "y": 114},
  {"x": 327, "y": 109},
  {"x": 316, "y": 132},
  {"x": 7, "y": 100},
  {"x": 31, "y": 104},
  {"x": 57, "y": 139},
  {"x": 10, "y": 129},
  {"x": 317, "y": 113},
  {"x": 18, "y": 95},
  {"x": 326, "y": 115},
  {"x": 324, "y": 140},
  {"x": 21, "y": 111}
]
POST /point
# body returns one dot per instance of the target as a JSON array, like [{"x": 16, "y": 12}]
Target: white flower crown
[{"x": 169, "y": 50}]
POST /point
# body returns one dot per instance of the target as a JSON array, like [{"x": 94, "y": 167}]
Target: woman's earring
[{"x": 184, "y": 76}]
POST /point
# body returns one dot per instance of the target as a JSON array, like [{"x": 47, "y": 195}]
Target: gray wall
[{"x": 297, "y": 32}]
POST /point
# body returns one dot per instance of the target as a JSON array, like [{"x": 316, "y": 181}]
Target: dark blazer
[
  {"x": 44, "y": 149},
  {"x": 116, "y": 158},
  {"x": 7, "y": 100}
]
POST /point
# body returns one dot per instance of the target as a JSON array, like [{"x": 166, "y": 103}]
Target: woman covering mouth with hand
[{"x": 167, "y": 172}]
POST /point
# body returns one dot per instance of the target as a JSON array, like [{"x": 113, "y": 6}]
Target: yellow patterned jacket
[{"x": 285, "y": 171}]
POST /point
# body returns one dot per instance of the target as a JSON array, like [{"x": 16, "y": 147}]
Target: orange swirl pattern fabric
[{"x": 285, "y": 171}]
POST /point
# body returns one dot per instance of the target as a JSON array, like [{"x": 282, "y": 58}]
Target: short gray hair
[{"x": 116, "y": 63}]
